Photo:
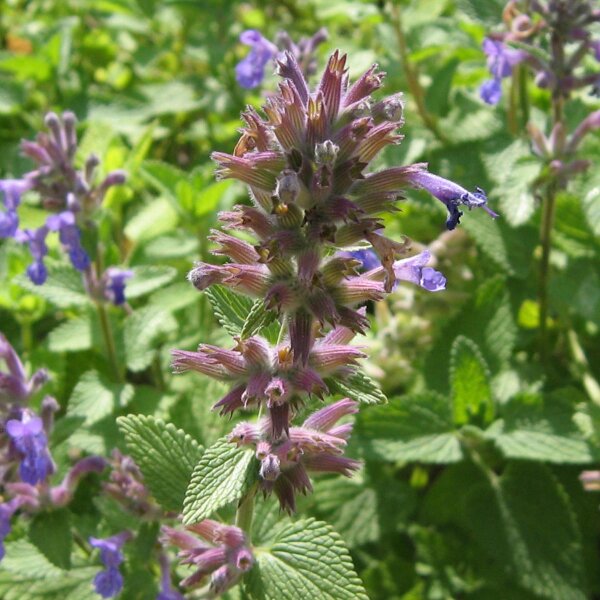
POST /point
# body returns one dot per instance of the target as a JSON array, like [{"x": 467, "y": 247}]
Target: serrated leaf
[
  {"x": 359, "y": 387},
  {"x": 74, "y": 335},
  {"x": 487, "y": 320},
  {"x": 470, "y": 383},
  {"x": 542, "y": 432},
  {"x": 222, "y": 476},
  {"x": 166, "y": 456},
  {"x": 258, "y": 318},
  {"x": 26, "y": 574},
  {"x": 64, "y": 286},
  {"x": 412, "y": 428},
  {"x": 306, "y": 559},
  {"x": 524, "y": 523},
  {"x": 50, "y": 532},
  {"x": 142, "y": 332},
  {"x": 147, "y": 279},
  {"x": 230, "y": 308},
  {"x": 95, "y": 398}
]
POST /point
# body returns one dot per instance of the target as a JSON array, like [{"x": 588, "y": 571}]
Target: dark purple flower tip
[
  {"x": 114, "y": 289},
  {"x": 251, "y": 70},
  {"x": 110, "y": 548},
  {"x": 29, "y": 440},
  {"x": 79, "y": 258},
  {"x": 491, "y": 91},
  {"x": 37, "y": 272},
  {"x": 108, "y": 583}
]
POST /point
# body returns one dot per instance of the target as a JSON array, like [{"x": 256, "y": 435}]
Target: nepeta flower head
[
  {"x": 317, "y": 445},
  {"x": 114, "y": 284},
  {"x": 251, "y": 70},
  {"x": 70, "y": 194},
  {"x": 265, "y": 374},
  {"x": 226, "y": 556},
  {"x": 14, "y": 385},
  {"x": 30, "y": 442},
  {"x": 109, "y": 582}
]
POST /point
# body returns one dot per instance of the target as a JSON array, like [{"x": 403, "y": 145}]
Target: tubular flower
[
  {"x": 14, "y": 384},
  {"x": 263, "y": 374},
  {"x": 109, "y": 582},
  {"x": 317, "y": 445},
  {"x": 68, "y": 193},
  {"x": 501, "y": 59},
  {"x": 223, "y": 553}
]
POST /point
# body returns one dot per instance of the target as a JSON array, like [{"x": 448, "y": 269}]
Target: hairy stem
[
  {"x": 412, "y": 76},
  {"x": 109, "y": 340}
]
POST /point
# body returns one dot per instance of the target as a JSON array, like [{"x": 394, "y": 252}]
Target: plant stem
[
  {"x": 109, "y": 340},
  {"x": 245, "y": 511},
  {"x": 412, "y": 76},
  {"x": 548, "y": 210},
  {"x": 592, "y": 387}
]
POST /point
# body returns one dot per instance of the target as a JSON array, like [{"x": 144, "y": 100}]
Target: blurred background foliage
[{"x": 470, "y": 487}]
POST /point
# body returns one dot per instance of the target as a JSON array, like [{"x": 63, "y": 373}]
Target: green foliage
[
  {"x": 166, "y": 456},
  {"x": 222, "y": 476},
  {"x": 305, "y": 559},
  {"x": 230, "y": 308},
  {"x": 359, "y": 387}
]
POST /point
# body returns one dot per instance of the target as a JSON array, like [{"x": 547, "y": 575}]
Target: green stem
[
  {"x": 109, "y": 340},
  {"x": 548, "y": 210},
  {"x": 412, "y": 76},
  {"x": 245, "y": 511},
  {"x": 590, "y": 384},
  {"x": 26, "y": 336}
]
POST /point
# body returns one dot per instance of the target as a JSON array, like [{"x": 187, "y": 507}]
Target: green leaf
[
  {"x": 258, "y": 318},
  {"x": 541, "y": 431},
  {"x": 470, "y": 383},
  {"x": 359, "y": 387},
  {"x": 152, "y": 220},
  {"x": 412, "y": 428},
  {"x": 64, "y": 286},
  {"x": 142, "y": 333},
  {"x": 517, "y": 202},
  {"x": 524, "y": 523},
  {"x": 488, "y": 321},
  {"x": 230, "y": 308},
  {"x": 95, "y": 398},
  {"x": 306, "y": 559},
  {"x": 147, "y": 279},
  {"x": 50, "y": 532},
  {"x": 222, "y": 476},
  {"x": 75, "y": 334},
  {"x": 166, "y": 456}
]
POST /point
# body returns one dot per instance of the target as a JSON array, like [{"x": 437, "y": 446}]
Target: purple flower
[
  {"x": 70, "y": 238},
  {"x": 12, "y": 189},
  {"x": 114, "y": 286},
  {"x": 36, "y": 240},
  {"x": 251, "y": 70},
  {"x": 29, "y": 440},
  {"x": 109, "y": 582},
  {"x": 167, "y": 592},
  {"x": 451, "y": 194},
  {"x": 500, "y": 60},
  {"x": 368, "y": 258},
  {"x": 414, "y": 269},
  {"x": 7, "y": 510}
]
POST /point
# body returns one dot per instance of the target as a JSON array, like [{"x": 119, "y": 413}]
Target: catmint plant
[
  {"x": 553, "y": 41},
  {"x": 314, "y": 203}
]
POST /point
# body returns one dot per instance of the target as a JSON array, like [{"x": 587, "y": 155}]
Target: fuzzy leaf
[
  {"x": 359, "y": 387},
  {"x": 148, "y": 278},
  {"x": 524, "y": 523},
  {"x": 142, "y": 333},
  {"x": 258, "y": 318},
  {"x": 50, "y": 532},
  {"x": 95, "y": 398},
  {"x": 230, "y": 308},
  {"x": 541, "y": 432},
  {"x": 74, "y": 335},
  {"x": 222, "y": 476},
  {"x": 412, "y": 428},
  {"x": 26, "y": 574},
  {"x": 306, "y": 559},
  {"x": 63, "y": 287},
  {"x": 166, "y": 456},
  {"x": 469, "y": 380}
]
